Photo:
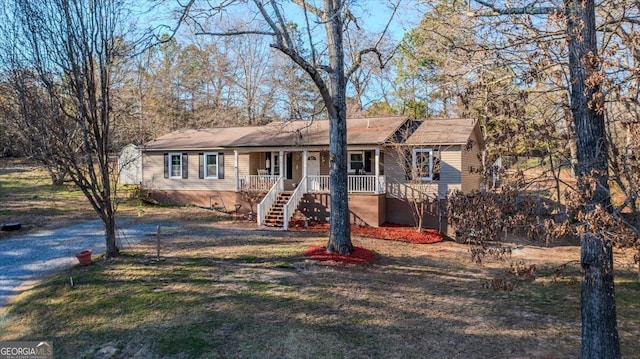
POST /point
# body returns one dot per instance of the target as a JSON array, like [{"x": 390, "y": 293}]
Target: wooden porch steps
[{"x": 275, "y": 217}]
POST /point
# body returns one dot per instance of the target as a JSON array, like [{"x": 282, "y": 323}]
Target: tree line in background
[{"x": 511, "y": 74}]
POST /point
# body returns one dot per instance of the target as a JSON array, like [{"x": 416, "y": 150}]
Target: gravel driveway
[{"x": 28, "y": 258}]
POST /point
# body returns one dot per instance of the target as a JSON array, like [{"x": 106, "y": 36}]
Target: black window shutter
[
  {"x": 185, "y": 165},
  {"x": 289, "y": 165},
  {"x": 367, "y": 161},
  {"x": 201, "y": 165},
  {"x": 166, "y": 165},
  {"x": 220, "y": 165}
]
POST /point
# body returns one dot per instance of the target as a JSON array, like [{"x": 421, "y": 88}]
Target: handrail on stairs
[
  {"x": 292, "y": 204},
  {"x": 268, "y": 200}
]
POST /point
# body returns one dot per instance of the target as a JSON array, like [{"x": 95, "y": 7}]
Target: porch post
[
  {"x": 282, "y": 174},
  {"x": 377, "y": 155},
  {"x": 305, "y": 154},
  {"x": 236, "y": 170}
]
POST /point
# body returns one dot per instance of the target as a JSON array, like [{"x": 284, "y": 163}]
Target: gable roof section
[
  {"x": 445, "y": 132},
  {"x": 360, "y": 131}
]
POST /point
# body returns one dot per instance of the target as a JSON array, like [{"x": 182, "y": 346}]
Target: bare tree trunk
[
  {"x": 57, "y": 177},
  {"x": 340, "y": 233},
  {"x": 599, "y": 325},
  {"x": 110, "y": 237},
  {"x": 330, "y": 80},
  {"x": 420, "y": 210},
  {"x": 587, "y": 101}
]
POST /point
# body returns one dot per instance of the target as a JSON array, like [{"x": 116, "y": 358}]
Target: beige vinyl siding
[
  {"x": 450, "y": 177},
  {"x": 393, "y": 168},
  {"x": 153, "y": 177},
  {"x": 471, "y": 178},
  {"x": 256, "y": 161},
  {"x": 450, "y": 168},
  {"x": 243, "y": 164}
]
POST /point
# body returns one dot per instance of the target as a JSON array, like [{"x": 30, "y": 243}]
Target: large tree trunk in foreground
[
  {"x": 587, "y": 100},
  {"x": 599, "y": 326},
  {"x": 340, "y": 234},
  {"x": 599, "y": 331},
  {"x": 340, "y": 230}
]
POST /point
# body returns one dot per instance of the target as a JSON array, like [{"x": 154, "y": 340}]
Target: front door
[{"x": 313, "y": 170}]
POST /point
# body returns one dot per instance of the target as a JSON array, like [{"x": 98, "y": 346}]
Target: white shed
[{"x": 130, "y": 165}]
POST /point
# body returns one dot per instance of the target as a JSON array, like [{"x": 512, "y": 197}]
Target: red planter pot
[{"x": 84, "y": 257}]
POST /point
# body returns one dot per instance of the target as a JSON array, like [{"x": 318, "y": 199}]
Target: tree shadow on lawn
[
  {"x": 8, "y": 169},
  {"x": 242, "y": 294},
  {"x": 273, "y": 305},
  {"x": 251, "y": 322},
  {"x": 234, "y": 308},
  {"x": 208, "y": 235}
]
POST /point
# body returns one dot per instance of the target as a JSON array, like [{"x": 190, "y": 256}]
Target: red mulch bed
[
  {"x": 358, "y": 256},
  {"x": 393, "y": 232}
]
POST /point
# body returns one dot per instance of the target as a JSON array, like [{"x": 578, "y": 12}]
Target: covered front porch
[
  {"x": 287, "y": 171},
  {"x": 286, "y": 176}
]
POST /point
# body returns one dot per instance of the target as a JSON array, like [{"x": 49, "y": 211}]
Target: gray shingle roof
[
  {"x": 210, "y": 138},
  {"x": 360, "y": 131},
  {"x": 443, "y": 131},
  {"x": 364, "y": 131}
]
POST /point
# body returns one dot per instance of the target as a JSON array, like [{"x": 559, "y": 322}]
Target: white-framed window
[
  {"x": 423, "y": 164},
  {"x": 356, "y": 161},
  {"x": 211, "y": 165},
  {"x": 175, "y": 165}
]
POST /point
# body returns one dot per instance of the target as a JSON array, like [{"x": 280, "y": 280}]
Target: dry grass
[
  {"x": 238, "y": 293},
  {"x": 27, "y": 196}
]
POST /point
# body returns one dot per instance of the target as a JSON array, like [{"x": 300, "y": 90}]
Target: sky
[{"x": 372, "y": 15}]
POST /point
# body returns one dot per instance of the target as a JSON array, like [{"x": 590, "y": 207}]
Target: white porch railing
[
  {"x": 382, "y": 184},
  {"x": 318, "y": 183},
  {"x": 296, "y": 196},
  {"x": 355, "y": 184},
  {"x": 256, "y": 182},
  {"x": 365, "y": 183},
  {"x": 269, "y": 199}
]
